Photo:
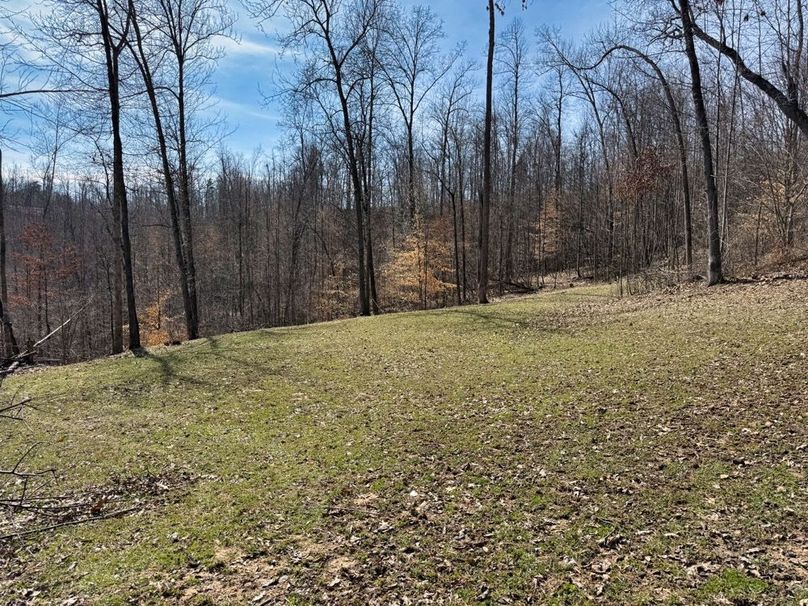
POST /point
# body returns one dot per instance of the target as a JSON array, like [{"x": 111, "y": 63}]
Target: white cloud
[
  {"x": 244, "y": 109},
  {"x": 250, "y": 48}
]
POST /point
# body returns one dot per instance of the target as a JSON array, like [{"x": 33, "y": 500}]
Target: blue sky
[
  {"x": 244, "y": 75},
  {"x": 247, "y": 68}
]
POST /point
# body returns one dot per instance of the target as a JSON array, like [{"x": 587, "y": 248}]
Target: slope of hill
[{"x": 567, "y": 448}]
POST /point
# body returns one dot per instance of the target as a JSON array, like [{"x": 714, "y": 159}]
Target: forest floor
[{"x": 563, "y": 448}]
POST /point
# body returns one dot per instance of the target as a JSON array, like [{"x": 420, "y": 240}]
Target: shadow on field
[
  {"x": 486, "y": 317},
  {"x": 168, "y": 372},
  {"x": 226, "y": 355}
]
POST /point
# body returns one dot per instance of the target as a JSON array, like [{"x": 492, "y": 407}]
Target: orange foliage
[
  {"x": 338, "y": 298},
  {"x": 155, "y": 328},
  {"x": 548, "y": 240},
  {"x": 421, "y": 270}
]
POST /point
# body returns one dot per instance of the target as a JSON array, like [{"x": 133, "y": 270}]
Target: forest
[
  {"x": 665, "y": 146},
  {"x": 388, "y": 303}
]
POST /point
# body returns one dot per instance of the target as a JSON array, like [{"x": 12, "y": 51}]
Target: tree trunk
[
  {"x": 412, "y": 206},
  {"x": 112, "y": 55},
  {"x": 356, "y": 184},
  {"x": 185, "y": 209},
  {"x": 117, "y": 279},
  {"x": 485, "y": 205},
  {"x": 10, "y": 343},
  {"x": 714, "y": 271},
  {"x": 3, "y": 280},
  {"x": 168, "y": 177}
]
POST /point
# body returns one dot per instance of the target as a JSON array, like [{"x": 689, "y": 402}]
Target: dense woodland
[{"x": 414, "y": 174}]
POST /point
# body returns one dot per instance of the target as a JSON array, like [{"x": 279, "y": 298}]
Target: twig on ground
[{"x": 25, "y": 533}]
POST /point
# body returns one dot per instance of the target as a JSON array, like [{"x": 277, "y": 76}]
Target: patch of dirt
[{"x": 244, "y": 580}]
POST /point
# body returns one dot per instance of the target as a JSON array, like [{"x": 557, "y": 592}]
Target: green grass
[
  {"x": 735, "y": 585},
  {"x": 569, "y": 447}
]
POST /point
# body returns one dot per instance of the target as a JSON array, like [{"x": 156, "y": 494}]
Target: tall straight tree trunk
[
  {"x": 168, "y": 177},
  {"x": 580, "y": 226},
  {"x": 356, "y": 183},
  {"x": 452, "y": 197},
  {"x": 11, "y": 348},
  {"x": 3, "y": 280},
  {"x": 461, "y": 188},
  {"x": 371, "y": 265},
  {"x": 512, "y": 200},
  {"x": 117, "y": 277},
  {"x": 714, "y": 271},
  {"x": 373, "y": 294},
  {"x": 112, "y": 56},
  {"x": 185, "y": 208},
  {"x": 485, "y": 203},
  {"x": 444, "y": 150},
  {"x": 412, "y": 205}
]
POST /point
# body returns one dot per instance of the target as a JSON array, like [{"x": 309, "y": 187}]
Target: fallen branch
[
  {"x": 767, "y": 279},
  {"x": 13, "y": 408},
  {"x": 32, "y": 349},
  {"x": 17, "y": 482},
  {"x": 10, "y": 370},
  {"x": 522, "y": 288},
  {"x": 24, "y": 474},
  {"x": 25, "y": 533}
]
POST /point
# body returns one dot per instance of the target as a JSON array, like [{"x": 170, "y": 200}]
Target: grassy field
[{"x": 567, "y": 448}]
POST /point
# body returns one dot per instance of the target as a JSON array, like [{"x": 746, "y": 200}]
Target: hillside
[{"x": 565, "y": 448}]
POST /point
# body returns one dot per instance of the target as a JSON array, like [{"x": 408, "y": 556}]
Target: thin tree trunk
[
  {"x": 452, "y": 197},
  {"x": 512, "y": 200},
  {"x": 412, "y": 205},
  {"x": 3, "y": 279},
  {"x": 112, "y": 56},
  {"x": 371, "y": 266},
  {"x": 168, "y": 177},
  {"x": 485, "y": 206},
  {"x": 11, "y": 348},
  {"x": 185, "y": 207},
  {"x": 356, "y": 182},
  {"x": 117, "y": 279}
]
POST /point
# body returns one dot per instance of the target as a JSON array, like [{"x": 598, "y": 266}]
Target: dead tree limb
[{"x": 26, "y": 533}]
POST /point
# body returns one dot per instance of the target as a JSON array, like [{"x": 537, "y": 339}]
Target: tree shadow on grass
[
  {"x": 168, "y": 372},
  {"x": 268, "y": 368},
  {"x": 487, "y": 317}
]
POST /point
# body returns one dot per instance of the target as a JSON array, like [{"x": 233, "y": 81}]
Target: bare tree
[
  {"x": 10, "y": 343},
  {"x": 790, "y": 55},
  {"x": 487, "y": 190},
  {"x": 715, "y": 274},
  {"x": 412, "y": 66},
  {"x": 513, "y": 57},
  {"x": 191, "y": 29},
  {"x": 678, "y": 130},
  {"x": 334, "y": 33},
  {"x": 143, "y": 59},
  {"x": 180, "y": 43},
  {"x": 449, "y": 109},
  {"x": 114, "y": 24},
  {"x": 84, "y": 42},
  {"x": 485, "y": 202}
]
